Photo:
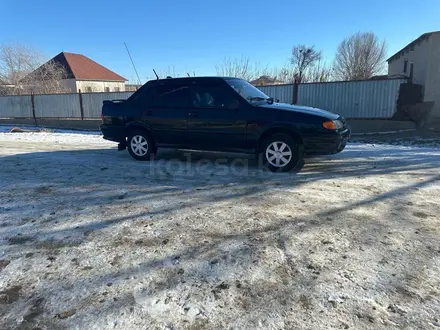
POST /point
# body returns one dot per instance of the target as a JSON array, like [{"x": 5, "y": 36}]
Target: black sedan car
[{"x": 220, "y": 114}]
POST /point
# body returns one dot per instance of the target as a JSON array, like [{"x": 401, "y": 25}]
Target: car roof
[{"x": 187, "y": 80}]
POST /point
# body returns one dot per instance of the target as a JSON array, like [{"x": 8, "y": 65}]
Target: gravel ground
[{"x": 91, "y": 239}]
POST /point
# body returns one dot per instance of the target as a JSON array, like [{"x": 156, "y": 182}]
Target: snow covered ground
[{"x": 91, "y": 239}]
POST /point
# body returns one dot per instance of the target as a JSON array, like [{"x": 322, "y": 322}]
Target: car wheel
[
  {"x": 140, "y": 146},
  {"x": 282, "y": 153}
]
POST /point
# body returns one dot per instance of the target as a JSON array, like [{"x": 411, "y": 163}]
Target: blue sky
[{"x": 195, "y": 35}]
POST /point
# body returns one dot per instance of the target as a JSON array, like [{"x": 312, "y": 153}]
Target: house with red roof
[{"x": 85, "y": 75}]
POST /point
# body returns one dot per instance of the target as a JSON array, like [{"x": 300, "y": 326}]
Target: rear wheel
[
  {"x": 282, "y": 153},
  {"x": 140, "y": 146}
]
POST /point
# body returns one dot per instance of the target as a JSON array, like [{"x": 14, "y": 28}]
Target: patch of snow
[
  {"x": 69, "y": 137},
  {"x": 92, "y": 239},
  {"x": 7, "y": 129}
]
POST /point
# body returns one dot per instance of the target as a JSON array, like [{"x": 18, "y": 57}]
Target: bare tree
[
  {"x": 303, "y": 60},
  {"x": 286, "y": 75},
  {"x": 319, "y": 72},
  {"x": 360, "y": 56},
  {"x": 241, "y": 68},
  {"x": 48, "y": 78},
  {"x": 22, "y": 69}
]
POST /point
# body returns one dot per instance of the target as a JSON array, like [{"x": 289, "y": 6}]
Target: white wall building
[{"x": 420, "y": 60}]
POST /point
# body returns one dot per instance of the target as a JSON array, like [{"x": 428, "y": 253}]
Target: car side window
[
  {"x": 211, "y": 96},
  {"x": 172, "y": 96}
]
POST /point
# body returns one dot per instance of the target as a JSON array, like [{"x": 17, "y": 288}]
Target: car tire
[
  {"x": 140, "y": 146},
  {"x": 282, "y": 153}
]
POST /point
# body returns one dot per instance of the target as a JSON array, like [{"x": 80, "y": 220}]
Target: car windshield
[{"x": 246, "y": 90}]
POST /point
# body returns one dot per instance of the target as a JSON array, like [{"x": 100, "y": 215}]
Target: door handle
[{"x": 193, "y": 114}]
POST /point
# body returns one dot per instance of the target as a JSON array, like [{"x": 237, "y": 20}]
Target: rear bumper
[
  {"x": 113, "y": 133},
  {"x": 327, "y": 143}
]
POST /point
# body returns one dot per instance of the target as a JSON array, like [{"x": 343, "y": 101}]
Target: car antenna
[
  {"x": 188, "y": 74},
  {"x": 134, "y": 67},
  {"x": 156, "y": 74}
]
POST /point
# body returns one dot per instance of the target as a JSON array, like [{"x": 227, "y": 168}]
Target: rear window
[{"x": 142, "y": 95}]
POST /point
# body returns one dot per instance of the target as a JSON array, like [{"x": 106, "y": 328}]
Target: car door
[
  {"x": 167, "y": 114},
  {"x": 216, "y": 120}
]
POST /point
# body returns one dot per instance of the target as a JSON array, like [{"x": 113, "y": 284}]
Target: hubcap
[
  {"x": 278, "y": 154},
  {"x": 139, "y": 145}
]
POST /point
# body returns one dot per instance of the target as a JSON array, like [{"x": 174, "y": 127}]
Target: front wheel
[
  {"x": 140, "y": 146},
  {"x": 282, "y": 153}
]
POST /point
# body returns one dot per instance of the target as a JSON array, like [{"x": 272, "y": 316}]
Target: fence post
[
  {"x": 295, "y": 92},
  {"x": 33, "y": 108},
  {"x": 81, "y": 104}
]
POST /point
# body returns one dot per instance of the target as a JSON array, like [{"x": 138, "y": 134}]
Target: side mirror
[{"x": 277, "y": 100}]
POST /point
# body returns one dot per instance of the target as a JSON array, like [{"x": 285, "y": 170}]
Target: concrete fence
[{"x": 80, "y": 106}]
